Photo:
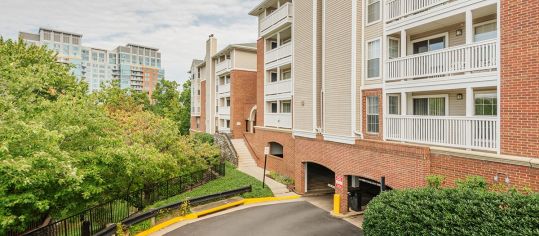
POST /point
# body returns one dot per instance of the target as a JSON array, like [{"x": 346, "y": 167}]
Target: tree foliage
[
  {"x": 63, "y": 150},
  {"x": 170, "y": 103}
]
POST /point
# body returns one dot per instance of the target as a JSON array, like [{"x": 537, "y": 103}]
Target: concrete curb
[{"x": 200, "y": 214}]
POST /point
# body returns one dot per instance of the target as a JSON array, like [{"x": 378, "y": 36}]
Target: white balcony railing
[
  {"x": 466, "y": 58},
  {"x": 281, "y": 53},
  {"x": 224, "y": 110},
  {"x": 276, "y": 19},
  {"x": 278, "y": 120},
  {"x": 223, "y": 66},
  {"x": 396, "y": 9},
  {"x": 479, "y": 133},
  {"x": 283, "y": 86},
  {"x": 225, "y": 88}
]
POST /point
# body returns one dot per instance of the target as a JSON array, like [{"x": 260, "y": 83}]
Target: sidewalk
[{"x": 247, "y": 165}]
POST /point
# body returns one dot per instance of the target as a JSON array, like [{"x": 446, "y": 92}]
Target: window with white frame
[
  {"x": 429, "y": 44},
  {"x": 273, "y": 77},
  {"x": 429, "y": 106},
  {"x": 373, "y": 59},
  {"x": 286, "y": 74},
  {"x": 486, "y": 104},
  {"x": 272, "y": 107},
  {"x": 373, "y": 124},
  {"x": 373, "y": 10},
  {"x": 485, "y": 31},
  {"x": 286, "y": 106},
  {"x": 394, "y": 105},
  {"x": 393, "y": 45}
]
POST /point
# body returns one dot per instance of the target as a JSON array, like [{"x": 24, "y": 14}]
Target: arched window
[{"x": 276, "y": 149}]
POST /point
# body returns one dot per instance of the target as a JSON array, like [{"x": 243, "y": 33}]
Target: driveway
[{"x": 295, "y": 218}]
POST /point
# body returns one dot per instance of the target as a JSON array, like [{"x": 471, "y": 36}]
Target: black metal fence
[{"x": 99, "y": 217}]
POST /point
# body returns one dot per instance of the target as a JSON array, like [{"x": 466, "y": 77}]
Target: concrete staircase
[{"x": 247, "y": 165}]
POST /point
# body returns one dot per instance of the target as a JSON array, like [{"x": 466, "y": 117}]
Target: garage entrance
[
  {"x": 319, "y": 179},
  {"x": 362, "y": 191}
]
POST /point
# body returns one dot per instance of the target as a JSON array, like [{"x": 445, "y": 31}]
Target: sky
[{"x": 178, "y": 28}]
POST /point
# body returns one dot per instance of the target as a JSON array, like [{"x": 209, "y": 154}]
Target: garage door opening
[
  {"x": 362, "y": 191},
  {"x": 319, "y": 179}
]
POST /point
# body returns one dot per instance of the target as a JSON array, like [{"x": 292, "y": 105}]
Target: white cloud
[{"x": 178, "y": 28}]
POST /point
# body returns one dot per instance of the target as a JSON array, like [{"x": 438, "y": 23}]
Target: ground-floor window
[
  {"x": 276, "y": 149},
  {"x": 394, "y": 105},
  {"x": 373, "y": 125},
  {"x": 430, "y": 106}
]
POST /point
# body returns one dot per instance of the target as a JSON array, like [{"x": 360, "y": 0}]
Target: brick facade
[
  {"x": 260, "y": 82},
  {"x": 242, "y": 100},
  {"x": 519, "y": 77},
  {"x": 260, "y": 139},
  {"x": 368, "y": 93}
]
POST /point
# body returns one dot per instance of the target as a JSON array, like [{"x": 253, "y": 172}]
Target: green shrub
[
  {"x": 203, "y": 138},
  {"x": 472, "y": 182},
  {"x": 435, "y": 181},
  {"x": 460, "y": 211},
  {"x": 281, "y": 178},
  {"x": 185, "y": 208}
]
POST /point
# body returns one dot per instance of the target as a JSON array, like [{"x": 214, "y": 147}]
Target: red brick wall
[
  {"x": 202, "y": 106},
  {"x": 260, "y": 82},
  {"x": 368, "y": 93},
  {"x": 454, "y": 168},
  {"x": 520, "y": 77},
  {"x": 150, "y": 81},
  {"x": 257, "y": 141},
  {"x": 243, "y": 98}
]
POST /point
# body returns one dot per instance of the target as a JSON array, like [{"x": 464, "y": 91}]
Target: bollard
[{"x": 336, "y": 204}]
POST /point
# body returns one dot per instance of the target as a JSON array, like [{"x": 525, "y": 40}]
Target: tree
[
  {"x": 185, "y": 99},
  {"x": 170, "y": 103}
]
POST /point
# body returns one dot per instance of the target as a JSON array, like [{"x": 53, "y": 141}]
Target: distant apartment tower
[{"x": 136, "y": 67}]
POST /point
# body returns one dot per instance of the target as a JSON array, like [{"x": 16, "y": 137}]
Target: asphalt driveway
[{"x": 295, "y": 218}]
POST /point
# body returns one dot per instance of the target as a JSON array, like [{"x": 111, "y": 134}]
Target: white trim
[
  {"x": 304, "y": 134},
  {"x": 367, "y": 23},
  {"x": 363, "y": 77},
  {"x": 499, "y": 86},
  {"x": 315, "y": 68},
  {"x": 445, "y": 96},
  {"x": 367, "y": 58},
  {"x": 340, "y": 139},
  {"x": 354, "y": 64},
  {"x": 323, "y": 93}
]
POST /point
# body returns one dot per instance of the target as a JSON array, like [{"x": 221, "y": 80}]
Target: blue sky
[{"x": 178, "y": 28}]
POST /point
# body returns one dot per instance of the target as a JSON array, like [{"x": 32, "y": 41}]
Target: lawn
[{"x": 233, "y": 179}]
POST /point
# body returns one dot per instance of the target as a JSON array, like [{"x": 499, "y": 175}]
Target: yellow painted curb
[{"x": 195, "y": 215}]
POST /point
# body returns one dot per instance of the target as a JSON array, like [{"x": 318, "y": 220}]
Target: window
[
  {"x": 198, "y": 122},
  {"x": 276, "y": 149},
  {"x": 373, "y": 59},
  {"x": 273, "y": 44},
  {"x": 394, "y": 105},
  {"x": 286, "y": 74},
  {"x": 372, "y": 114},
  {"x": 373, "y": 8},
  {"x": 486, "y": 31},
  {"x": 431, "y": 106},
  {"x": 227, "y": 123},
  {"x": 394, "y": 48},
  {"x": 273, "y": 77},
  {"x": 286, "y": 107},
  {"x": 272, "y": 107},
  {"x": 227, "y": 101},
  {"x": 486, "y": 105},
  {"x": 428, "y": 45}
]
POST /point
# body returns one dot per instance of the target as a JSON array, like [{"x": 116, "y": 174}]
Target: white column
[
  {"x": 469, "y": 27},
  {"x": 404, "y": 103},
  {"x": 470, "y": 104},
  {"x": 403, "y": 42}
]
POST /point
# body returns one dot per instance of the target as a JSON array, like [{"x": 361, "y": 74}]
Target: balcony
[
  {"x": 476, "y": 57},
  {"x": 224, "y": 111},
  {"x": 279, "y": 56},
  {"x": 278, "y": 120},
  {"x": 276, "y": 19},
  {"x": 399, "y": 9},
  {"x": 477, "y": 133},
  {"x": 279, "y": 87},
  {"x": 224, "y": 88},
  {"x": 223, "y": 67}
]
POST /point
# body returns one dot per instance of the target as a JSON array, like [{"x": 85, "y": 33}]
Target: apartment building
[
  {"x": 136, "y": 67},
  {"x": 387, "y": 92},
  {"x": 224, "y": 89}
]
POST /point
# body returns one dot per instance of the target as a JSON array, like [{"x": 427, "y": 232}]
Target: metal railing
[{"x": 95, "y": 219}]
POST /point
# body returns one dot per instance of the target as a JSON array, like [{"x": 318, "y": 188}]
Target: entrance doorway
[{"x": 319, "y": 179}]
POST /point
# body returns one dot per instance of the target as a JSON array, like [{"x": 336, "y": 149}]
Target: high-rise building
[
  {"x": 386, "y": 93},
  {"x": 136, "y": 67}
]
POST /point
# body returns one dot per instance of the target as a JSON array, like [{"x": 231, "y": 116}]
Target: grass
[
  {"x": 233, "y": 179},
  {"x": 281, "y": 178}
]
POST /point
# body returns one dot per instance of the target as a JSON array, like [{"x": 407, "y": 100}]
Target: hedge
[{"x": 459, "y": 211}]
